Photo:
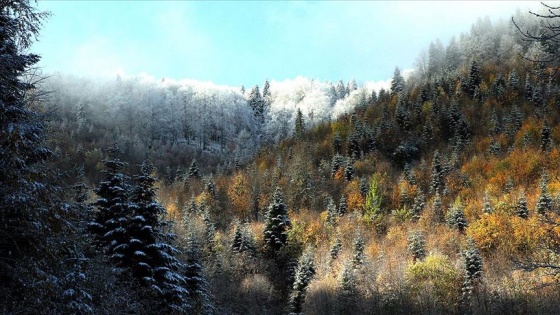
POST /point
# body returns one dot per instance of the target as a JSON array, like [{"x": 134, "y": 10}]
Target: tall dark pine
[
  {"x": 22, "y": 193},
  {"x": 397, "y": 83},
  {"x": 149, "y": 255},
  {"x": 110, "y": 221}
]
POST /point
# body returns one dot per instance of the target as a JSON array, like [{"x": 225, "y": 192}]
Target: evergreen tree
[
  {"x": 304, "y": 273},
  {"x": 456, "y": 218},
  {"x": 353, "y": 145},
  {"x": 342, "y": 206},
  {"x": 332, "y": 212},
  {"x": 513, "y": 80},
  {"x": 349, "y": 169},
  {"x": 277, "y": 223},
  {"x": 300, "y": 125},
  {"x": 472, "y": 275},
  {"x": 148, "y": 252},
  {"x": 257, "y": 103},
  {"x": 266, "y": 89},
  {"x": 474, "y": 78},
  {"x": 438, "y": 209},
  {"x": 417, "y": 245},
  {"x": 544, "y": 203},
  {"x": 114, "y": 211},
  {"x": 193, "y": 170},
  {"x": 336, "y": 247},
  {"x": 545, "y": 138},
  {"x": 364, "y": 187},
  {"x": 358, "y": 247},
  {"x": 336, "y": 164},
  {"x": 337, "y": 143},
  {"x": 521, "y": 209},
  {"x": 418, "y": 206},
  {"x": 340, "y": 90},
  {"x": 196, "y": 285},
  {"x": 397, "y": 83},
  {"x": 27, "y": 215},
  {"x": 437, "y": 174}
]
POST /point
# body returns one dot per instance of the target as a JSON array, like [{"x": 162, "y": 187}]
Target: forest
[{"x": 437, "y": 195}]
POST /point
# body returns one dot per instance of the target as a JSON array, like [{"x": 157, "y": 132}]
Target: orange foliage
[
  {"x": 491, "y": 232},
  {"x": 354, "y": 199}
]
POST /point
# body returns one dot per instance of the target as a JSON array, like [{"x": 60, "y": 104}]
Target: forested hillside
[{"x": 439, "y": 195}]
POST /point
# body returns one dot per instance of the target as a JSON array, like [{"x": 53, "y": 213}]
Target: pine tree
[
  {"x": 149, "y": 252},
  {"x": 193, "y": 170},
  {"x": 474, "y": 78},
  {"x": 545, "y": 138},
  {"x": 456, "y": 218},
  {"x": 544, "y": 203},
  {"x": 256, "y": 103},
  {"x": 300, "y": 125},
  {"x": 438, "y": 209},
  {"x": 397, "y": 83},
  {"x": 196, "y": 285},
  {"x": 340, "y": 90},
  {"x": 336, "y": 164},
  {"x": 109, "y": 224},
  {"x": 304, "y": 273},
  {"x": 349, "y": 170},
  {"x": 521, "y": 207},
  {"x": 358, "y": 247},
  {"x": 364, "y": 187},
  {"x": 417, "y": 245},
  {"x": 418, "y": 205},
  {"x": 513, "y": 80},
  {"x": 336, "y": 247},
  {"x": 353, "y": 145},
  {"x": 24, "y": 195},
  {"x": 342, "y": 206},
  {"x": 437, "y": 174},
  {"x": 337, "y": 143},
  {"x": 277, "y": 223},
  {"x": 472, "y": 274},
  {"x": 332, "y": 212}
]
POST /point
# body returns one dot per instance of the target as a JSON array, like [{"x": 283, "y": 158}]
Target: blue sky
[{"x": 235, "y": 43}]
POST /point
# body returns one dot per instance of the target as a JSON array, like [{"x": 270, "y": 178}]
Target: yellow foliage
[
  {"x": 492, "y": 231},
  {"x": 354, "y": 199},
  {"x": 434, "y": 276},
  {"x": 238, "y": 195}
]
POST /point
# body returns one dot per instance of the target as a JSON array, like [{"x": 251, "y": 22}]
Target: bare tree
[{"x": 547, "y": 36}]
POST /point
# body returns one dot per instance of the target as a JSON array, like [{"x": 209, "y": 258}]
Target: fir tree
[
  {"x": 336, "y": 247},
  {"x": 364, "y": 187},
  {"x": 196, "y": 285},
  {"x": 342, "y": 206},
  {"x": 340, "y": 90},
  {"x": 27, "y": 200},
  {"x": 149, "y": 253},
  {"x": 277, "y": 223},
  {"x": 544, "y": 203},
  {"x": 337, "y": 143},
  {"x": 474, "y": 78},
  {"x": 336, "y": 164},
  {"x": 349, "y": 170},
  {"x": 545, "y": 138},
  {"x": 304, "y": 273},
  {"x": 114, "y": 211},
  {"x": 417, "y": 245},
  {"x": 521, "y": 209},
  {"x": 437, "y": 174},
  {"x": 397, "y": 83},
  {"x": 456, "y": 218},
  {"x": 300, "y": 125},
  {"x": 332, "y": 212},
  {"x": 472, "y": 275},
  {"x": 358, "y": 248},
  {"x": 418, "y": 206},
  {"x": 193, "y": 170}
]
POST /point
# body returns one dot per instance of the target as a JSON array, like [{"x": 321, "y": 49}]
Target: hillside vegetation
[{"x": 440, "y": 195}]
